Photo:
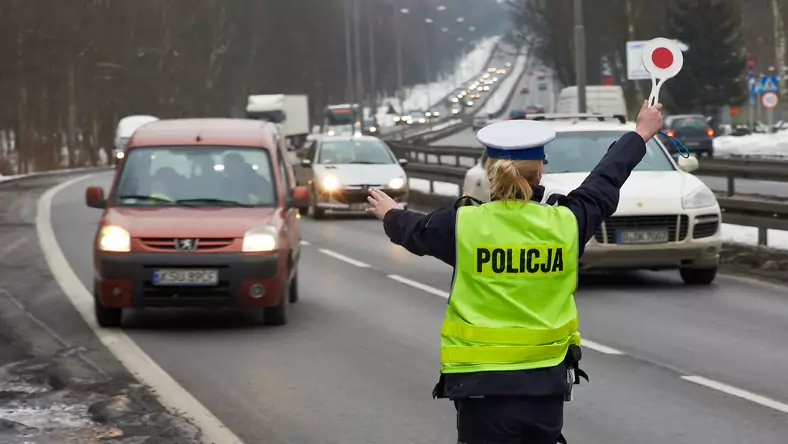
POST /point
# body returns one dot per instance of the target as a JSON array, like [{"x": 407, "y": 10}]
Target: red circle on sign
[{"x": 662, "y": 58}]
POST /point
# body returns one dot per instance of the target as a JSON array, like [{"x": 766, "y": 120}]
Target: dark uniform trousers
[{"x": 510, "y": 420}]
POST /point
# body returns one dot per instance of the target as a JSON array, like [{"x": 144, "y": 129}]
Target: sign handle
[{"x": 653, "y": 98}]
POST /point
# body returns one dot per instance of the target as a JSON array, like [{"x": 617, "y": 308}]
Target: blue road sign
[
  {"x": 751, "y": 86},
  {"x": 769, "y": 84}
]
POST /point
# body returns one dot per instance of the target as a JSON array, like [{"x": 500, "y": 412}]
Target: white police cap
[{"x": 516, "y": 139}]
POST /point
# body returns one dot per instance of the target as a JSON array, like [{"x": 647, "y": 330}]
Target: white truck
[
  {"x": 289, "y": 112},
  {"x": 125, "y": 129},
  {"x": 600, "y": 99}
]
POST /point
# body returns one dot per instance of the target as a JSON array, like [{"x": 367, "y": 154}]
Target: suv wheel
[
  {"x": 698, "y": 276},
  {"x": 317, "y": 213}
]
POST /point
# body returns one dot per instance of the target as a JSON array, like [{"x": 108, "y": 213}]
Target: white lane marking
[
  {"x": 303, "y": 242},
  {"x": 599, "y": 347},
  {"x": 419, "y": 285},
  {"x": 344, "y": 258},
  {"x": 744, "y": 394},
  {"x": 171, "y": 394}
]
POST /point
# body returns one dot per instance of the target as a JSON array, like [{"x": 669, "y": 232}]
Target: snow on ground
[
  {"x": 423, "y": 96},
  {"x": 498, "y": 99},
  {"x": 738, "y": 234},
  {"x": 752, "y": 145}
]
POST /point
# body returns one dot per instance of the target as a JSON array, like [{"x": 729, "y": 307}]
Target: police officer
[{"x": 509, "y": 341}]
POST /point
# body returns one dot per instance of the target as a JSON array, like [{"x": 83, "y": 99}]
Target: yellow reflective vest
[{"x": 512, "y": 301}]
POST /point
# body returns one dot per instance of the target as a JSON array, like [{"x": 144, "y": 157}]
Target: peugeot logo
[{"x": 186, "y": 244}]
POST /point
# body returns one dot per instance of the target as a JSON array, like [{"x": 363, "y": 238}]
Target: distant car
[
  {"x": 542, "y": 87},
  {"x": 532, "y": 109},
  {"x": 124, "y": 131},
  {"x": 455, "y": 110},
  {"x": 209, "y": 224},
  {"x": 338, "y": 130},
  {"x": 371, "y": 127},
  {"x": 474, "y": 96},
  {"x": 693, "y": 131},
  {"x": 524, "y": 90},
  {"x": 517, "y": 114},
  {"x": 541, "y": 76},
  {"x": 416, "y": 117},
  {"x": 675, "y": 225},
  {"x": 433, "y": 115},
  {"x": 481, "y": 121},
  {"x": 343, "y": 169},
  {"x": 468, "y": 102}
]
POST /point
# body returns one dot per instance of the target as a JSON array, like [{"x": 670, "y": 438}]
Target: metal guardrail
[{"x": 450, "y": 164}]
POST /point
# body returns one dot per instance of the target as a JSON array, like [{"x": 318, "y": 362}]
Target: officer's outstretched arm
[
  {"x": 423, "y": 234},
  {"x": 597, "y": 198}
]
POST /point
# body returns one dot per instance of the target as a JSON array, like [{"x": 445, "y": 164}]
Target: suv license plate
[
  {"x": 643, "y": 237},
  {"x": 186, "y": 277}
]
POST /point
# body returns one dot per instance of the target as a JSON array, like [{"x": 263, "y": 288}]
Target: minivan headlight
[
  {"x": 260, "y": 239},
  {"x": 701, "y": 197},
  {"x": 397, "y": 183},
  {"x": 114, "y": 239}
]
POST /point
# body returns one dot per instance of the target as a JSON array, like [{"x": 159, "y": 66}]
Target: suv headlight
[
  {"x": 699, "y": 198},
  {"x": 114, "y": 239},
  {"x": 397, "y": 183},
  {"x": 330, "y": 183},
  {"x": 260, "y": 239}
]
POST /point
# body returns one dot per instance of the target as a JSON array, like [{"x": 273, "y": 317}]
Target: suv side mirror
[
  {"x": 94, "y": 198},
  {"x": 301, "y": 197},
  {"x": 688, "y": 164},
  {"x": 307, "y": 163},
  {"x": 403, "y": 161}
]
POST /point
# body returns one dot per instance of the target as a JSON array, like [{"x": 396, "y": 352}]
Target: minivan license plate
[
  {"x": 190, "y": 277},
  {"x": 643, "y": 237}
]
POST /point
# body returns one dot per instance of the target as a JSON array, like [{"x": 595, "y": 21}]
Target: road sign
[
  {"x": 635, "y": 68},
  {"x": 769, "y": 100},
  {"x": 769, "y": 84},
  {"x": 751, "y": 86},
  {"x": 663, "y": 60}
]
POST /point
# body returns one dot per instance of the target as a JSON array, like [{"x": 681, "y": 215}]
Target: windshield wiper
[
  {"x": 214, "y": 201},
  {"x": 362, "y": 162},
  {"x": 146, "y": 197}
]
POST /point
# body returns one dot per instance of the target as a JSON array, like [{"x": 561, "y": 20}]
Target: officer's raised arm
[{"x": 597, "y": 197}]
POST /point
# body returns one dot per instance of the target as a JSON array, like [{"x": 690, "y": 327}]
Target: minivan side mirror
[
  {"x": 306, "y": 163},
  {"x": 94, "y": 198},
  {"x": 688, "y": 164},
  {"x": 403, "y": 161}
]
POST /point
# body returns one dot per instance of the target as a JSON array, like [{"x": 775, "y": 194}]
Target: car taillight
[
  {"x": 710, "y": 132},
  {"x": 671, "y": 133}
]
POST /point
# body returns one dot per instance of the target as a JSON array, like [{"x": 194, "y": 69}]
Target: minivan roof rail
[{"x": 601, "y": 117}]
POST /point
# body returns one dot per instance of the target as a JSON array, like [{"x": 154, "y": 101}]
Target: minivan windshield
[
  {"x": 338, "y": 152},
  {"x": 199, "y": 176}
]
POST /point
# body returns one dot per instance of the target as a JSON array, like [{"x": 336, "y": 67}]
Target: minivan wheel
[
  {"x": 293, "y": 293},
  {"x": 277, "y": 315},
  {"x": 698, "y": 276},
  {"x": 106, "y": 317}
]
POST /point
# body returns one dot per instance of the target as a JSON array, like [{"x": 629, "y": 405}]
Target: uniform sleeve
[
  {"x": 424, "y": 234},
  {"x": 597, "y": 197}
]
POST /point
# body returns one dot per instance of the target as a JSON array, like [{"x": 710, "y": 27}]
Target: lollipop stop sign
[{"x": 663, "y": 59}]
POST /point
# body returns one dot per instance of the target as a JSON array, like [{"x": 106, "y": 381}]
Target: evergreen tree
[{"x": 714, "y": 64}]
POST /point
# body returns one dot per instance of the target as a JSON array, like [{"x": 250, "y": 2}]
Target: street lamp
[
  {"x": 441, "y": 8},
  {"x": 399, "y": 57},
  {"x": 460, "y": 19}
]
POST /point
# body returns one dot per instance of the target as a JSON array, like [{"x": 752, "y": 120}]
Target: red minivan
[{"x": 201, "y": 213}]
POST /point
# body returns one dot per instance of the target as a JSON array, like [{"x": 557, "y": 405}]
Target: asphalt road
[
  {"x": 467, "y": 137},
  {"x": 359, "y": 358}
]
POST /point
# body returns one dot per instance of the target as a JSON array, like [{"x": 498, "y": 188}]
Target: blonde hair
[{"x": 512, "y": 179}]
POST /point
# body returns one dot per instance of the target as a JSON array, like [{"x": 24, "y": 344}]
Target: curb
[{"x": 14, "y": 179}]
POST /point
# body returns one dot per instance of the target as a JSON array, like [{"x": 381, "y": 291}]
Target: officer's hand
[
  {"x": 649, "y": 121},
  {"x": 381, "y": 204}
]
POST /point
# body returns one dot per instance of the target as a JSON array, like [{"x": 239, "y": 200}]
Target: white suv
[{"x": 666, "y": 217}]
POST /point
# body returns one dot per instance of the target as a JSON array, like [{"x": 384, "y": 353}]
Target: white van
[
  {"x": 600, "y": 99},
  {"x": 126, "y": 128}
]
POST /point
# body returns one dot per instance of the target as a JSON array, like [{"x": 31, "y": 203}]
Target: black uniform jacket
[{"x": 433, "y": 234}]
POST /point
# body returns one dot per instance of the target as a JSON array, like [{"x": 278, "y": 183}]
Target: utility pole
[
  {"x": 427, "y": 30},
  {"x": 348, "y": 53},
  {"x": 372, "y": 71},
  {"x": 399, "y": 57},
  {"x": 357, "y": 55},
  {"x": 580, "y": 56},
  {"x": 779, "y": 45}
]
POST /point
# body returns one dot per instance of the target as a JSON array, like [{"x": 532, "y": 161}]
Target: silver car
[{"x": 341, "y": 170}]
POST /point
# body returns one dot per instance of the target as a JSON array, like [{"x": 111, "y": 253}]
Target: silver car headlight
[
  {"x": 701, "y": 197},
  {"x": 397, "y": 183},
  {"x": 330, "y": 183},
  {"x": 259, "y": 240}
]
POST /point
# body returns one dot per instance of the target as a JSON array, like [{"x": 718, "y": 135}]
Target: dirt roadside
[{"x": 58, "y": 383}]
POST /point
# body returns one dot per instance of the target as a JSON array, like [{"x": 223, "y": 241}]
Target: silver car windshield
[{"x": 337, "y": 152}]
